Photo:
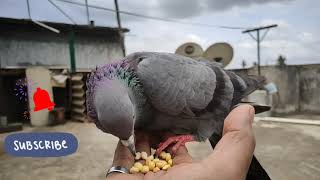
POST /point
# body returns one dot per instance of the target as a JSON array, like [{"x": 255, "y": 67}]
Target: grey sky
[{"x": 297, "y": 36}]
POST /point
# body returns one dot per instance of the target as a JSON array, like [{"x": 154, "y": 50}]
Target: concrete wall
[
  {"x": 298, "y": 87},
  {"x": 48, "y": 48},
  {"x": 310, "y": 88},
  {"x": 287, "y": 81}
]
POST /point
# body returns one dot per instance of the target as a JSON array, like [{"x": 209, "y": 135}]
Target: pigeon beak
[{"x": 130, "y": 144}]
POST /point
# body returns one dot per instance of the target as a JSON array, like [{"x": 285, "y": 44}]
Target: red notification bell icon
[{"x": 42, "y": 100}]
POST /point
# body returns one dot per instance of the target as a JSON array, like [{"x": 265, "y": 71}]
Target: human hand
[{"x": 229, "y": 160}]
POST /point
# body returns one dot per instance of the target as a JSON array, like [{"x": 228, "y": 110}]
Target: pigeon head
[
  {"x": 115, "y": 111},
  {"x": 113, "y": 99}
]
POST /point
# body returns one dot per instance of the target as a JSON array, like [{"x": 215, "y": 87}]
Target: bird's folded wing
[{"x": 176, "y": 84}]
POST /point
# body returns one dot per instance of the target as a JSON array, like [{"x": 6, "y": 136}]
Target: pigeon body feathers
[{"x": 179, "y": 94}]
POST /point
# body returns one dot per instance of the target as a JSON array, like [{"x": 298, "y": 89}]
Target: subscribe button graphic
[{"x": 53, "y": 144}]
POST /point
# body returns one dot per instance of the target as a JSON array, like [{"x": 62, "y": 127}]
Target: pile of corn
[{"x": 151, "y": 164}]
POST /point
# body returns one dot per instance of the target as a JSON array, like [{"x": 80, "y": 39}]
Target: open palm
[{"x": 229, "y": 160}]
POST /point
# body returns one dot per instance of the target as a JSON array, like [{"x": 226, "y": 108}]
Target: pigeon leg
[{"x": 177, "y": 140}]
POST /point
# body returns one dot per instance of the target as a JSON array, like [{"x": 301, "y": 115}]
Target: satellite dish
[
  {"x": 220, "y": 52},
  {"x": 190, "y": 49}
]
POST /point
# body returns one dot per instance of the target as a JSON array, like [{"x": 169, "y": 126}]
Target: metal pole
[
  {"x": 46, "y": 26},
  {"x": 87, "y": 8},
  {"x": 258, "y": 47},
  {"x": 120, "y": 28},
  {"x": 28, "y": 5},
  {"x": 259, "y": 40},
  {"x": 64, "y": 13},
  {"x": 72, "y": 51}
]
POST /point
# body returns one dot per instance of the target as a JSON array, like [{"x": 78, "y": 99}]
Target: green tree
[{"x": 281, "y": 61}]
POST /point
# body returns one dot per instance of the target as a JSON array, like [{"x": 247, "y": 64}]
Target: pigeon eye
[{"x": 140, "y": 59}]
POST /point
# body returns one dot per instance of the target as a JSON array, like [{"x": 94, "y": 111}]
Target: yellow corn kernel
[
  {"x": 156, "y": 169},
  {"x": 145, "y": 169},
  {"x": 156, "y": 160},
  {"x": 144, "y": 155},
  {"x": 167, "y": 166},
  {"x": 151, "y": 165},
  {"x": 163, "y": 155},
  {"x": 134, "y": 170},
  {"x": 160, "y": 164},
  {"x": 151, "y": 157},
  {"x": 138, "y": 165},
  {"x": 148, "y": 161},
  {"x": 170, "y": 162},
  {"x": 138, "y": 156},
  {"x": 168, "y": 157},
  {"x": 164, "y": 162}
]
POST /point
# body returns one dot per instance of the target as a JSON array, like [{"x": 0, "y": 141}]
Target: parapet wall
[{"x": 298, "y": 87}]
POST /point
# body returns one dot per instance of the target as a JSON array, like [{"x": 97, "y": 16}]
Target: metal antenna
[
  {"x": 87, "y": 9},
  {"x": 64, "y": 13},
  {"x": 28, "y": 5},
  {"x": 120, "y": 28},
  {"x": 259, "y": 39},
  {"x": 155, "y": 18},
  {"x": 40, "y": 23}
]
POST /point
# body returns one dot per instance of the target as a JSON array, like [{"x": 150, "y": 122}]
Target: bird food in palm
[{"x": 151, "y": 164}]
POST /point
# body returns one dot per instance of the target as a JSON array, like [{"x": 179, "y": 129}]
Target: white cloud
[
  {"x": 247, "y": 45},
  {"x": 160, "y": 38},
  {"x": 306, "y": 37}
]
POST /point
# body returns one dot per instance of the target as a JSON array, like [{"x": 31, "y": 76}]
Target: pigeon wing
[{"x": 176, "y": 84}]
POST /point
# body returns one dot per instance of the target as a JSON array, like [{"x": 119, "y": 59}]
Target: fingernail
[
  {"x": 250, "y": 113},
  {"x": 247, "y": 113}
]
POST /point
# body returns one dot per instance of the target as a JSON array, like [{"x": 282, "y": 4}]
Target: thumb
[
  {"x": 240, "y": 118},
  {"x": 235, "y": 149}
]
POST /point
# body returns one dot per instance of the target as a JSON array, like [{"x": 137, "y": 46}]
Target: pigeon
[
  {"x": 155, "y": 91},
  {"x": 164, "y": 92}
]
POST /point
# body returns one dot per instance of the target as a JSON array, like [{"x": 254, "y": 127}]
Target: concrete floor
[{"x": 287, "y": 151}]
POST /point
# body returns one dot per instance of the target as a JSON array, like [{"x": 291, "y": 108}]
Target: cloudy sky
[{"x": 297, "y": 36}]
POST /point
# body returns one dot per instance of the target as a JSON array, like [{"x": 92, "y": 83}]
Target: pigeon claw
[{"x": 178, "y": 141}]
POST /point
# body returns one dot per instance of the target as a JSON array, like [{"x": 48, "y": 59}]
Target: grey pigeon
[{"x": 164, "y": 92}]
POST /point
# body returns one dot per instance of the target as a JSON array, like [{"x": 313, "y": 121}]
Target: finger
[
  {"x": 235, "y": 149},
  {"x": 122, "y": 156},
  {"x": 240, "y": 118},
  {"x": 142, "y": 142}
]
